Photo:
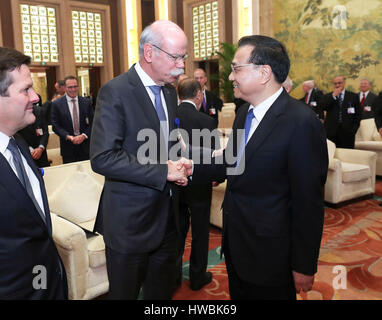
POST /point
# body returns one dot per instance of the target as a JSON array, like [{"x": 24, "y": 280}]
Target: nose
[
  {"x": 231, "y": 77},
  {"x": 33, "y": 97},
  {"x": 180, "y": 63}
]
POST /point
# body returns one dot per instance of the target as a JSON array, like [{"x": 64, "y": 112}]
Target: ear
[
  {"x": 266, "y": 73},
  {"x": 148, "y": 52}
]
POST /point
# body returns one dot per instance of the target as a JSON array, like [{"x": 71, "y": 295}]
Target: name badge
[
  {"x": 39, "y": 132},
  {"x": 212, "y": 111},
  {"x": 367, "y": 108},
  {"x": 313, "y": 103},
  {"x": 351, "y": 110}
]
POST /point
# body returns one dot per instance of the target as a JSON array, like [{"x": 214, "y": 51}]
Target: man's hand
[
  {"x": 177, "y": 173},
  {"x": 336, "y": 92},
  {"x": 36, "y": 153},
  {"x": 78, "y": 139},
  {"x": 186, "y": 164},
  {"x": 302, "y": 282}
]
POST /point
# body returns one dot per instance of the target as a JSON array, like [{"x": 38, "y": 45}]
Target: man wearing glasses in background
[
  {"x": 139, "y": 205},
  {"x": 72, "y": 117}
]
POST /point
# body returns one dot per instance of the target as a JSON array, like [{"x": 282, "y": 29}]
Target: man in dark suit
[
  {"x": 366, "y": 99},
  {"x": 195, "y": 200},
  {"x": 30, "y": 266},
  {"x": 72, "y": 118},
  {"x": 377, "y": 107},
  {"x": 211, "y": 104},
  {"x": 139, "y": 206},
  {"x": 313, "y": 98},
  {"x": 343, "y": 114},
  {"x": 37, "y": 135},
  {"x": 273, "y": 209}
]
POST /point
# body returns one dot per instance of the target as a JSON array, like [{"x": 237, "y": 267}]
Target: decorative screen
[
  {"x": 87, "y": 37},
  {"x": 205, "y": 23},
  {"x": 39, "y": 32}
]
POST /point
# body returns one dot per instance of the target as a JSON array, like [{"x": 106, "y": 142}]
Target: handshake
[{"x": 179, "y": 171}]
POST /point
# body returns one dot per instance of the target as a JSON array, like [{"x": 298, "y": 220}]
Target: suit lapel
[
  {"x": 171, "y": 111},
  {"x": 38, "y": 175},
  {"x": 264, "y": 128},
  {"x": 143, "y": 100},
  {"x": 12, "y": 183}
]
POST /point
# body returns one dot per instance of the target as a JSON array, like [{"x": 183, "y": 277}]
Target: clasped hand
[{"x": 179, "y": 171}]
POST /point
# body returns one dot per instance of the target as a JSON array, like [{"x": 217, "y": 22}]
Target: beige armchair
[
  {"x": 368, "y": 138},
  {"x": 351, "y": 175},
  {"x": 73, "y": 193}
]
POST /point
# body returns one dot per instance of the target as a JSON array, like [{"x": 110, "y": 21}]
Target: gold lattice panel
[
  {"x": 205, "y": 26},
  {"x": 87, "y": 37},
  {"x": 39, "y": 31}
]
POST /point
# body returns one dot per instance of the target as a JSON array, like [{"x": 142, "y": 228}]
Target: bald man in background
[{"x": 211, "y": 103}]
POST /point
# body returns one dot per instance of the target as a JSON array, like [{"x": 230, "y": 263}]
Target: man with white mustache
[{"x": 139, "y": 203}]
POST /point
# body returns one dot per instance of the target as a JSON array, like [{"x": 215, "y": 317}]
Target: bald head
[{"x": 162, "y": 51}]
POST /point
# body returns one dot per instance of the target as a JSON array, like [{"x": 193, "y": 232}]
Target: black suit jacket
[
  {"x": 351, "y": 114},
  {"x": 273, "y": 213},
  {"x": 26, "y": 240},
  {"x": 136, "y": 201},
  {"x": 315, "y": 102},
  {"x": 367, "y": 108},
  {"x": 37, "y": 134},
  {"x": 62, "y": 124},
  {"x": 377, "y": 107},
  {"x": 191, "y": 119},
  {"x": 213, "y": 105}
]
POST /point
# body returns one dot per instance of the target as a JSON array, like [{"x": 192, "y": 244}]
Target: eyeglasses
[
  {"x": 236, "y": 67},
  {"x": 175, "y": 58},
  {"x": 72, "y": 87}
]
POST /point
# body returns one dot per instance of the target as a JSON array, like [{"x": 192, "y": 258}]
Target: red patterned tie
[
  {"x": 76, "y": 124},
  {"x": 306, "y": 98},
  {"x": 363, "y": 99}
]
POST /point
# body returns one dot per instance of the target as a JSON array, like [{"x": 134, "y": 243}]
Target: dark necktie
[
  {"x": 204, "y": 103},
  {"x": 340, "y": 101},
  {"x": 247, "y": 129},
  {"x": 306, "y": 98},
  {"x": 160, "y": 111},
  {"x": 22, "y": 175}
]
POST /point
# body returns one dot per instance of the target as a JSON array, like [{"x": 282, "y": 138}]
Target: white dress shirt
[
  {"x": 147, "y": 82},
  {"x": 4, "y": 141},
  {"x": 260, "y": 110}
]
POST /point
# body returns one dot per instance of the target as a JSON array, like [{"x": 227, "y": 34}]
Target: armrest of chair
[
  {"x": 334, "y": 165},
  {"x": 72, "y": 246},
  {"x": 356, "y": 156},
  {"x": 369, "y": 145}
]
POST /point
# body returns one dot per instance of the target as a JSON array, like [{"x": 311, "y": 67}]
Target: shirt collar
[
  {"x": 145, "y": 78},
  {"x": 69, "y": 99},
  {"x": 4, "y": 141},
  {"x": 192, "y": 102},
  {"x": 261, "y": 109}
]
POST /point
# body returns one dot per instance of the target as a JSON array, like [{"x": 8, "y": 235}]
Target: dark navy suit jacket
[
  {"x": 26, "y": 239},
  {"x": 62, "y": 124}
]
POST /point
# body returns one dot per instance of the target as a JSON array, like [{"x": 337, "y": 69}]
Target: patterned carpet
[{"x": 350, "y": 262}]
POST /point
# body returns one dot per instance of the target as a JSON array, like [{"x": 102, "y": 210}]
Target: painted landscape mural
[{"x": 325, "y": 38}]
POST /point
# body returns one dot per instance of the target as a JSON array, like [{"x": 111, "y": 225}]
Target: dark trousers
[
  {"x": 240, "y": 289},
  {"x": 199, "y": 213},
  {"x": 342, "y": 138},
  {"x": 153, "y": 271}
]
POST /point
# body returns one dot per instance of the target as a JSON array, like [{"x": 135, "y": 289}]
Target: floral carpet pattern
[{"x": 350, "y": 261}]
